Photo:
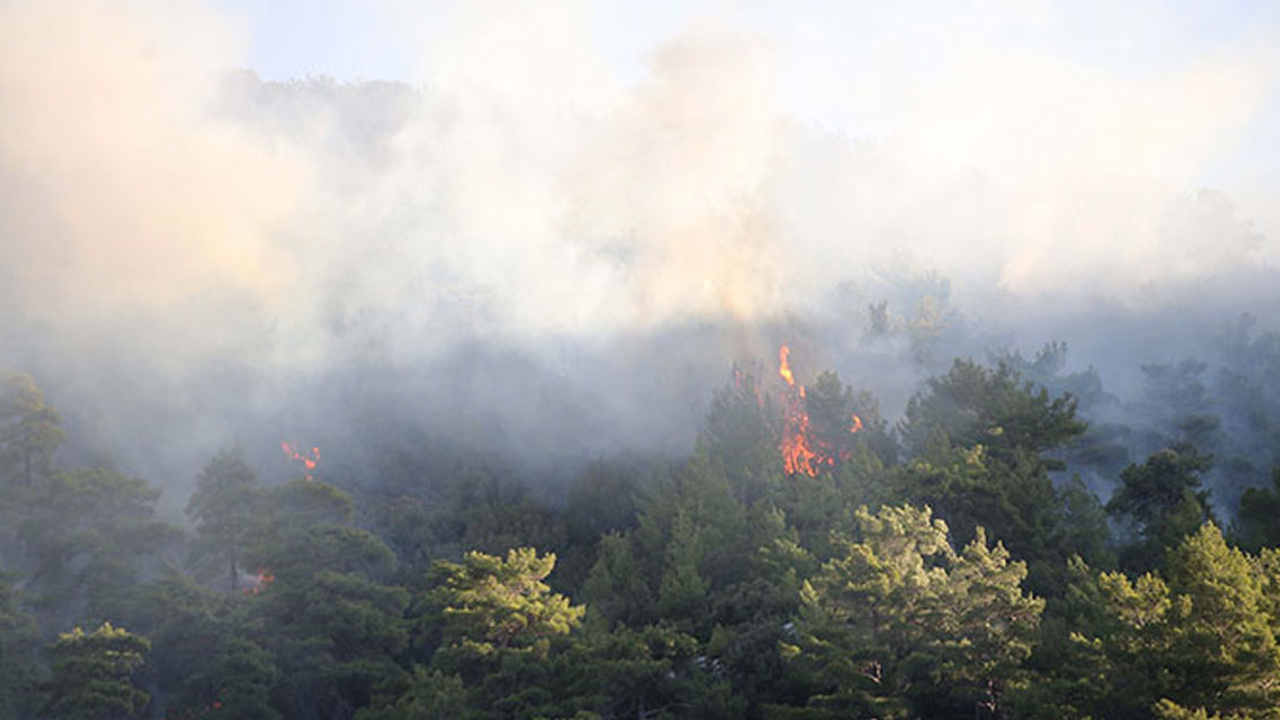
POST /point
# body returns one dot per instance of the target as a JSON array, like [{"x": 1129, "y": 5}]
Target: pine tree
[
  {"x": 1226, "y": 656},
  {"x": 899, "y": 624},
  {"x": 92, "y": 675},
  {"x": 222, "y": 511},
  {"x": 492, "y": 602},
  {"x": 1163, "y": 500},
  {"x": 30, "y": 431},
  {"x": 17, "y": 654}
]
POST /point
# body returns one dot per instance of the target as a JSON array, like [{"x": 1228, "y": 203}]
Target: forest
[
  {"x": 617, "y": 360},
  {"x": 808, "y": 559}
]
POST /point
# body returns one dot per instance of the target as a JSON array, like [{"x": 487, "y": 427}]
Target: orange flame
[
  {"x": 801, "y": 453},
  {"x": 264, "y": 578},
  {"x": 784, "y": 367},
  {"x": 309, "y": 461}
]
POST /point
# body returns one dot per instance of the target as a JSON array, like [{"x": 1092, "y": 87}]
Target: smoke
[
  {"x": 528, "y": 248},
  {"x": 123, "y": 203}
]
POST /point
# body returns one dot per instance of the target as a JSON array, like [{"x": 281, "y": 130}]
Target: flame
[
  {"x": 784, "y": 367},
  {"x": 797, "y": 456},
  {"x": 308, "y": 461},
  {"x": 262, "y": 580},
  {"x": 801, "y": 452}
]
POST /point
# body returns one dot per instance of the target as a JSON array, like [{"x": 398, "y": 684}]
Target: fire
[
  {"x": 797, "y": 455},
  {"x": 784, "y": 367},
  {"x": 309, "y": 461},
  {"x": 261, "y": 581},
  {"x": 801, "y": 452}
]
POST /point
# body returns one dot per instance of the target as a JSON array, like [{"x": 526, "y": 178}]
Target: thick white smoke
[{"x": 164, "y": 215}]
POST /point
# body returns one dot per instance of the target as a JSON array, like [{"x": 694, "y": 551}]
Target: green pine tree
[{"x": 92, "y": 675}]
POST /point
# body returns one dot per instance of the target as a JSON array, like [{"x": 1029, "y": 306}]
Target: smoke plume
[{"x": 527, "y": 247}]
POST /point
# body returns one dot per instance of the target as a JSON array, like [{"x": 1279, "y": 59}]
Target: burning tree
[
  {"x": 308, "y": 459},
  {"x": 806, "y": 446}
]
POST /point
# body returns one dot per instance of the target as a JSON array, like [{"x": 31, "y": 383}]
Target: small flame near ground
[
  {"x": 261, "y": 581},
  {"x": 801, "y": 453},
  {"x": 309, "y": 460}
]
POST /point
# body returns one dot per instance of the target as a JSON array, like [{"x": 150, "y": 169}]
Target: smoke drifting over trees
[
  {"x": 505, "y": 293},
  {"x": 522, "y": 228}
]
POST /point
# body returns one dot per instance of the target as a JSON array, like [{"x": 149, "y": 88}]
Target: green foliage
[
  {"x": 1167, "y": 709},
  {"x": 603, "y": 499},
  {"x": 203, "y": 662},
  {"x": 500, "y": 515},
  {"x": 1016, "y": 501},
  {"x": 234, "y": 681},
  {"x": 832, "y": 406},
  {"x": 1201, "y": 643},
  {"x": 900, "y": 624},
  {"x": 446, "y": 512},
  {"x": 30, "y": 432},
  {"x": 1163, "y": 501},
  {"x": 692, "y": 540},
  {"x": 88, "y": 536},
  {"x": 1258, "y": 523},
  {"x": 508, "y": 652},
  {"x": 1046, "y": 370},
  {"x": 615, "y": 590},
  {"x": 1082, "y": 528},
  {"x": 222, "y": 514},
  {"x": 429, "y": 695},
  {"x": 303, "y": 503},
  {"x": 1227, "y": 652},
  {"x": 336, "y": 628},
  {"x": 1071, "y": 676},
  {"x": 1100, "y": 451},
  {"x": 981, "y": 440},
  {"x": 18, "y": 669},
  {"x": 92, "y": 675},
  {"x": 972, "y": 405},
  {"x": 491, "y": 602},
  {"x": 715, "y": 586},
  {"x": 1178, "y": 400},
  {"x": 741, "y": 433},
  {"x": 655, "y": 672},
  {"x": 683, "y": 592}
]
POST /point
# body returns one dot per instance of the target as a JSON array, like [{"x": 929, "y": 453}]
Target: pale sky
[{"x": 841, "y": 61}]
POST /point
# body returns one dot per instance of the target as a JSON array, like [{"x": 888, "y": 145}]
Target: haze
[{"x": 553, "y": 228}]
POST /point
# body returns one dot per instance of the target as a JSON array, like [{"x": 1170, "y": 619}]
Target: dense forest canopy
[{"x": 809, "y": 557}]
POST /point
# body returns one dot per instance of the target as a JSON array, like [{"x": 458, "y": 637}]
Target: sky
[{"x": 831, "y": 52}]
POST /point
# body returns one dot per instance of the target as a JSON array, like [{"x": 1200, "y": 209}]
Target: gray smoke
[{"x": 524, "y": 253}]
